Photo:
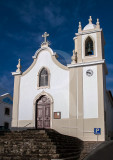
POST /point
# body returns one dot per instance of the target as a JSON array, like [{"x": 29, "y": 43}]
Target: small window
[
  {"x": 7, "y": 111},
  {"x": 6, "y": 125},
  {"x": 43, "y": 77},
  {"x": 89, "y": 49}
]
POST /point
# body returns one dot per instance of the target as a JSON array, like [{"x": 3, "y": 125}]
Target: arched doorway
[{"x": 43, "y": 112}]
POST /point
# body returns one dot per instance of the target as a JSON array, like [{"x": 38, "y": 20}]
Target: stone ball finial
[
  {"x": 97, "y": 24},
  {"x": 19, "y": 66},
  {"x": 74, "y": 57},
  {"x": 79, "y": 27},
  {"x": 90, "y": 20}
]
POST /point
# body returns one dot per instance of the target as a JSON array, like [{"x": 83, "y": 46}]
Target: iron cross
[{"x": 45, "y": 35}]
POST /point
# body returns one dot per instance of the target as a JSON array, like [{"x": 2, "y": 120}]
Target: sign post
[{"x": 97, "y": 131}]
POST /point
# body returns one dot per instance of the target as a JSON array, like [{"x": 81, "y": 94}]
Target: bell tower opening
[{"x": 89, "y": 48}]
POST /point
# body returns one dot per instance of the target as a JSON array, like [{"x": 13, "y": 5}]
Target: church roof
[
  {"x": 5, "y": 94},
  {"x": 89, "y": 26},
  {"x": 7, "y": 98}
]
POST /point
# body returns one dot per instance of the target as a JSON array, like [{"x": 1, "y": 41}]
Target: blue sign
[{"x": 97, "y": 131}]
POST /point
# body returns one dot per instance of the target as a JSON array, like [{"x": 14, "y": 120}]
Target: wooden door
[{"x": 43, "y": 112}]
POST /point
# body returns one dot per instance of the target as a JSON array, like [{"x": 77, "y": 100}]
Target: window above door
[{"x": 43, "y": 79}]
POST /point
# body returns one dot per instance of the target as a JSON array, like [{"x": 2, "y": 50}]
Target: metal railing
[{"x": 27, "y": 124}]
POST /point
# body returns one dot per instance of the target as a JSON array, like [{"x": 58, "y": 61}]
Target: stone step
[
  {"x": 38, "y": 144},
  {"x": 9, "y": 141},
  {"x": 44, "y": 147},
  {"x": 67, "y": 146},
  {"x": 23, "y": 135},
  {"x": 58, "y": 147},
  {"x": 66, "y": 155},
  {"x": 65, "y": 143},
  {"x": 32, "y": 149},
  {"x": 69, "y": 158},
  {"x": 28, "y": 151},
  {"x": 67, "y": 150},
  {"x": 63, "y": 138},
  {"x": 59, "y": 134},
  {"x": 36, "y": 132},
  {"x": 37, "y": 141},
  {"x": 28, "y": 157},
  {"x": 40, "y": 155},
  {"x": 24, "y": 158}
]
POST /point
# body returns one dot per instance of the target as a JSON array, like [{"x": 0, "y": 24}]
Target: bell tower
[
  {"x": 89, "y": 42},
  {"x": 87, "y": 81}
]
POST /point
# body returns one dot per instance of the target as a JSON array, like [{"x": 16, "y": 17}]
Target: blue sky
[{"x": 22, "y": 23}]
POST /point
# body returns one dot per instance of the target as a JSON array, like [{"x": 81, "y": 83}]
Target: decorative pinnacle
[
  {"x": 90, "y": 20},
  {"x": 97, "y": 24},
  {"x": 79, "y": 27},
  {"x": 18, "y": 66},
  {"x": 45, "y": 35},
  {"x": 74, "y": 57}
]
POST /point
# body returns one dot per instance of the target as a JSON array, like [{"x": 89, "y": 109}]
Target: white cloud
[
  {"x": 29, "y": 12},
  {"x": 54, "y": 16},
  {"x": 64, "y": 57},
  {"x": 26, "y": 37}
]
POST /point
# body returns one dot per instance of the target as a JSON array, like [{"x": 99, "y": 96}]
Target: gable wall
[{"x": 59, "y": 88}]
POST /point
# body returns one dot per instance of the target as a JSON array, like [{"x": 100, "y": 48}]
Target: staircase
[{"x": 39, "y": 145}]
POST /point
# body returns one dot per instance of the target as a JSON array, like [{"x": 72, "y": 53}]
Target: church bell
[{"x": 89, "y": 49}]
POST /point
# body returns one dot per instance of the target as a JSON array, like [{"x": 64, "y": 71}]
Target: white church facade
[{"x": 71, "y": 99}]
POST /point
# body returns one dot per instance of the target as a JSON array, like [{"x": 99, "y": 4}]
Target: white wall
[
  {"x": 59, "y": 88},
  {"x": 90, "y": 93},
  {"x": 5, "y": 118}
]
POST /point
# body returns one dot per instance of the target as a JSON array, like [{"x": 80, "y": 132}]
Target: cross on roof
[{"x": 45, "y": 35}]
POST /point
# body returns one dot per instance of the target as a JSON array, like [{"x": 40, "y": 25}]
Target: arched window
[
  {"x": 43, "y": 77},
  {"x": 7, "y": 111},
  {"x": 89, "y": 48}
]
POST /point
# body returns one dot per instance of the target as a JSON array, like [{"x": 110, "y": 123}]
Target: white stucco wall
[
  {"x": 3, "y": 117},
  {"x": 90, "y": 93},
  {"x": 59, "y": 87}
]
